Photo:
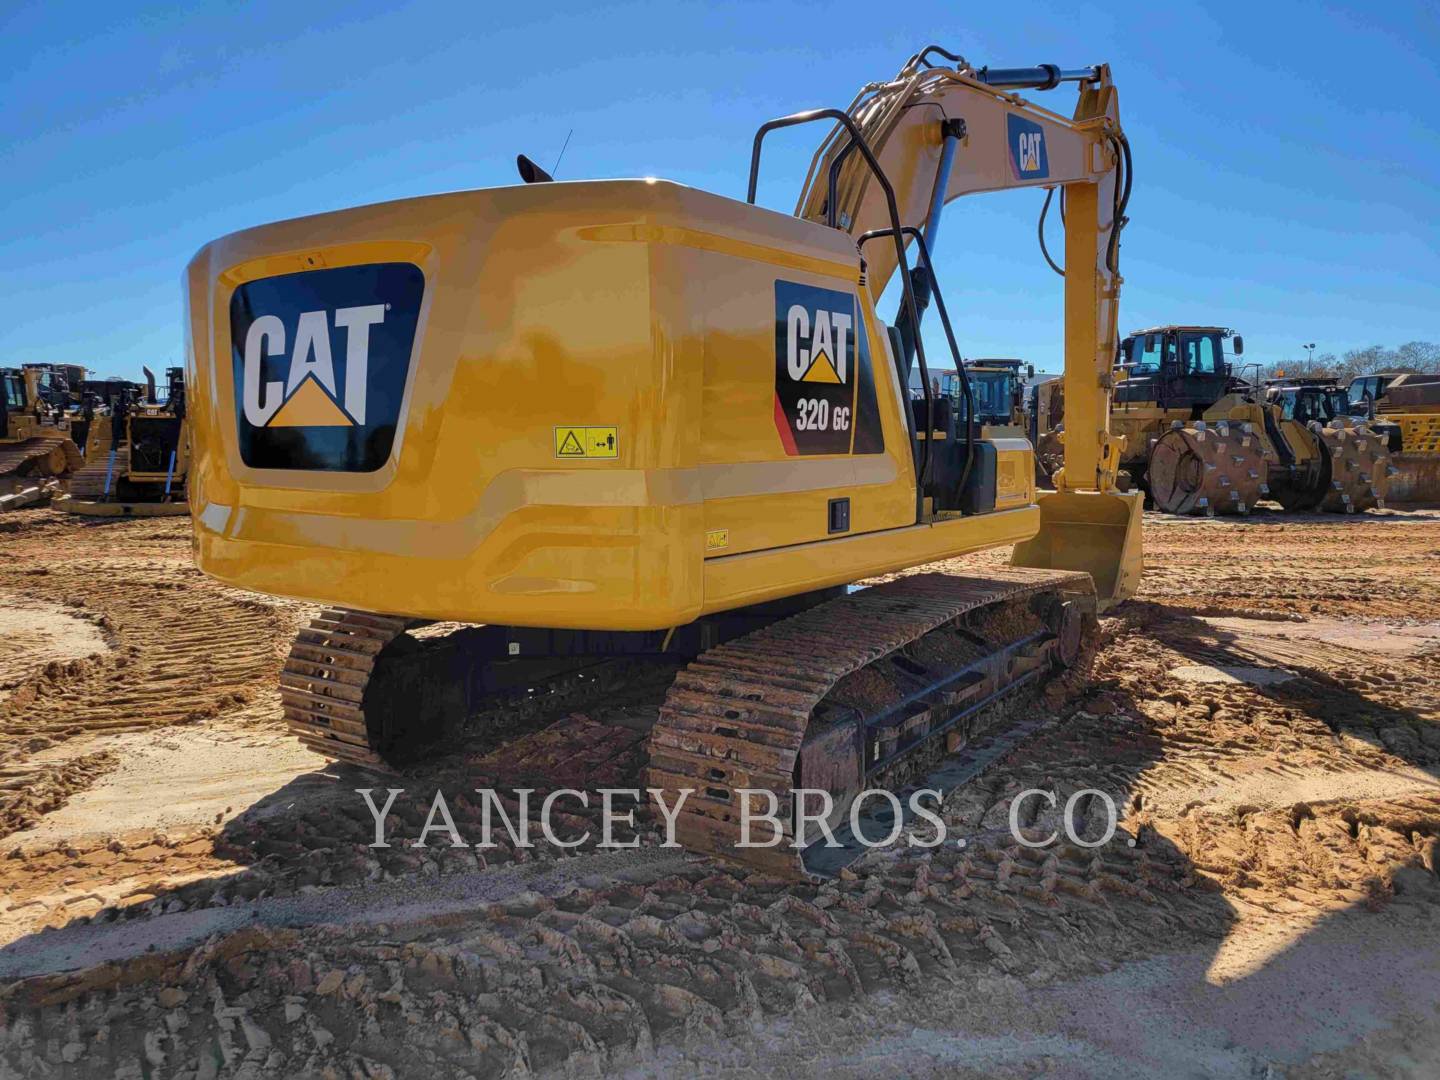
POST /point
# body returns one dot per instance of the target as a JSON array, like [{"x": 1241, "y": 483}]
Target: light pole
[{"x": 1309, "y": 352}]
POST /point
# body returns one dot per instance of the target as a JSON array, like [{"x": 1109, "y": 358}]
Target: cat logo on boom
[
  {"x": 1028, "y": 158},
  {"x": 320, "y": 362}
]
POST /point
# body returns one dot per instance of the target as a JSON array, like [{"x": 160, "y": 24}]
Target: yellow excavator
[
  {"x": 36, "y": 450},
  {"x": 627, "y": 418}
]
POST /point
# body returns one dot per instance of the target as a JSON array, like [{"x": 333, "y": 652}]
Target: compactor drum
[
  {"x": 1207, "y": 469},
  {"x": 1286, "y": 448},
  {"x": 622, "y": 428}
]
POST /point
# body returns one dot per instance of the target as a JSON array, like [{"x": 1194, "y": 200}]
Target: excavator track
[
  {"x": 1208, "y": 469},
  {"x": 852, "y": 691},
  {"x": 871, "y": 687},
  {"x": 323, "y": 683}
]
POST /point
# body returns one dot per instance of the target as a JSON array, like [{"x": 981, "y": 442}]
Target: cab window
[
  {"x": 1145, "y": 354},
  {"x": 1200, "y": 354}
]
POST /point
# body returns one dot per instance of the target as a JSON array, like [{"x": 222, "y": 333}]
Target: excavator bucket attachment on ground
[{"x": 1091, "y": 531}]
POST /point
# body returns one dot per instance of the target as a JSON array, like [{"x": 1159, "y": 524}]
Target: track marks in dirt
[
  {"x": 1379, "y": 564},
  {"x": 536, "y": 982},
  {"x": 180, "y": 647}
]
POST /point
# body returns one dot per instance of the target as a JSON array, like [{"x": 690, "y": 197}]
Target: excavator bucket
[{"x": 1091, "y": 531}]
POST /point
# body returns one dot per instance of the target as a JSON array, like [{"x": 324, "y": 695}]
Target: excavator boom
[{"x": 939, "y": 133}]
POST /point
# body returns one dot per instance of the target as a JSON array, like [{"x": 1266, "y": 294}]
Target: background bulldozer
[
  {"x": 36, "y": 450},
  {"x": 997, "y": 388},
  {"x": 137, "y": 449}
]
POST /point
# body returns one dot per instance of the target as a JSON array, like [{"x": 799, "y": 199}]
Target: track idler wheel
[
  {"x": 1360, "y": 467},
  {"x": 1205, "y": 468}
]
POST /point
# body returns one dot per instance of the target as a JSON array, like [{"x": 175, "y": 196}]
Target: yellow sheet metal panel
[
  {"x": 768, "y": 575},
  {"x": 1014, "y": 473}
]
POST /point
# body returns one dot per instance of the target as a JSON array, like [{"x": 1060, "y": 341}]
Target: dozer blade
[{"x": 1093, "y": 532}]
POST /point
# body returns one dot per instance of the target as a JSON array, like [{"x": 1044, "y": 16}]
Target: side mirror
[
  {"x": 1239, "y": 345},
  {"x": 1030, "y": 371}
]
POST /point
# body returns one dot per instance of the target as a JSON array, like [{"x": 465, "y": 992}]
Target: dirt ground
[{"x": 187, "y": 892}]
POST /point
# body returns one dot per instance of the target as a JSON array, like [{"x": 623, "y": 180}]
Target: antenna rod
[{"x": 556, "y": 166}]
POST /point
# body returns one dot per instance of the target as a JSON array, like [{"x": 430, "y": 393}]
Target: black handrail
[
  {"x": 844, "y": 118},
  {"x": 924, "y": 248}
]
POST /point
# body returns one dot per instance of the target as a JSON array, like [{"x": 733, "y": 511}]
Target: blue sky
[{"x": 1287, "y": 156}]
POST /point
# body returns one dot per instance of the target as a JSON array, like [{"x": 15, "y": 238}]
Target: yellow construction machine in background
[
  {"x": 137, "y": 450},
  {"x": 37, "y": 452},
  {"x": 628, "y": 418},
  {"x": 1411, "y": 402}
]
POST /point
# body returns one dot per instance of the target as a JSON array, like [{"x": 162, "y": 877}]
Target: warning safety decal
[
  {"x": 821, "y": 357},
  {"x": 587, "y": 442}
]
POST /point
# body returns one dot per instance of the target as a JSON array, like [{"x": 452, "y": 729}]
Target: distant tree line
[{"x": 1413, "y": 356}]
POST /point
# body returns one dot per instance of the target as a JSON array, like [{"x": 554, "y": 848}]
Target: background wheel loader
[
  {"x": 137, "y": 449},
  {"x": 619, "y": 423},
  {"x": 1162, "y": 375},
  {"x": 997, "y": 388},
  {"x": 1290, "y": 442},
  {"x": 1201, "y": 440},
  {"x": 36, "y": 451}
]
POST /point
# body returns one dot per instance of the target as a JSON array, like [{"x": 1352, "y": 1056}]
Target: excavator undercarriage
[{"x": 864, "y": 691}]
